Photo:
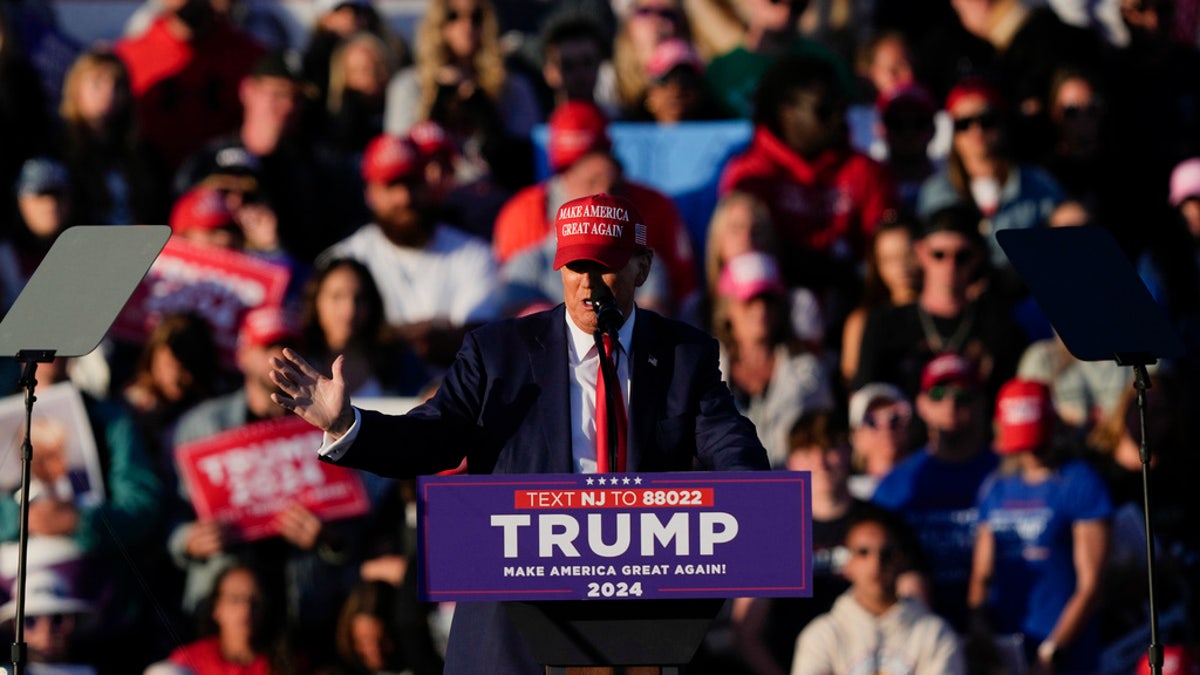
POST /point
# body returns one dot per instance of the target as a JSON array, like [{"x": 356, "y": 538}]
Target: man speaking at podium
[{"x": 521, "y": 397}]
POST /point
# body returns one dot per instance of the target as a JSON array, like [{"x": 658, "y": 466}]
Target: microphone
[{"x": 608, "y": 317}]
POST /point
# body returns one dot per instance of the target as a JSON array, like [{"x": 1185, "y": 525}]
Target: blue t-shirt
[
  {"x": 937, "y": 498},
  {"x": 1034, "y": 568}
]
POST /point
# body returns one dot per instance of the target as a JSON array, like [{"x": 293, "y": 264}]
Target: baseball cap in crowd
[
  {"x": 431, "y": 141},
  {"x": 975, "y": 86},
  {"x": 389, "y": 158},
  {"x": 47, "y": 592},
  {"x": 1177, "y": 660},
  {"x": 267, "y": 327},
  {"x": 201, "y": 208},
  {"x": 42, "y": 175},
  {"x": 871, "y": 396},
  {"x": 1025, "y": 416},
  {"x": 671, "y": 54},
  {"x": 948, "y": 370},
  {"x": 1185, "y": 181},
  {"x": 602, "y": 228},
  {"x": 749, "y": 275},
  {"x": 576, "y": 128}
]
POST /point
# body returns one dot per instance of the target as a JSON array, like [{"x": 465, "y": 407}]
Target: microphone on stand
[{"x": 608, "y": 317}]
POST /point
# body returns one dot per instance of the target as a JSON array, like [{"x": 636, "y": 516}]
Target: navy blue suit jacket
[{"x": 504, "y": 404}]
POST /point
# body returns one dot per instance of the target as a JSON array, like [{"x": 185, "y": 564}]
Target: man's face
[
  {"x": 398, "y": 208},
  {"x": 271, "y": 100},
  {"x": 572, "y": 68},
  {"x": 829, "y": 467},
  {"x": 873, "y": 564},
  {"x": 594, "y": 173},
  {"x": 813, "y": 121},
  {"x": 951, "y": 410},
  {"x": 883, "y": 435},
  {"x": 948, "y": 261},
  {"x": 581, "y": 277}
]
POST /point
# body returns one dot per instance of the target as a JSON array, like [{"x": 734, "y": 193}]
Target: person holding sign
[{"x": 521, "y": 398}]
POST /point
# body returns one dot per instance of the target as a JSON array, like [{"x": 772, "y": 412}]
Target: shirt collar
[{"x": 582, "y": 342}]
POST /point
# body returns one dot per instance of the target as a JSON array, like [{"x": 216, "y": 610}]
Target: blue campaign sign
[{"x": 615, "y": 536}]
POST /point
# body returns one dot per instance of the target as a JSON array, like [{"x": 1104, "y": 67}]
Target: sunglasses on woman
[
  {"x": 475, "y": 15},
  {"x": 986, "y": 120}
]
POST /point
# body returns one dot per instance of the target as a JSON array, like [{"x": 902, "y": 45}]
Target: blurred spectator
[
  {"x": 337, "y": 20},
  {"x": 369, "y": 638},
  {"x": 982, "y": 171},
  {"x": 774, "y": 378},
  {"x": 359, "y": 71},
  {"x": 1080, "y": 158},
  {"x": 643, "y": 26},
  {"x": 262, "y": 20},
  {"x": 177, "y": 369},
  {"x": 890, "y": 280},
  {"x": 841, "y": 26},
  {"x": 417, "y": 262},
  {"x": 908, "y": 124},
  {"x": 117, "y": 179},
  {"x": 952, "y": 312},
  {"x": 23, "y": 108},
  {"x": 115, "y": 534},
  {"x": 675, "y": 89},
  {"x": 765, "y": 629},
  {"x": 575, "y": 63},
  {"x": 871, "y": 628},
  {"x": 43, "y": 212},
  {"x": 936, "y": 489},
  {"x": 236, "y": 632},
  {"x": 1083, "y": 392},
  {"x": 880, "y": 421},
  {"x": 53, "y": 613},
  {"x": 1116, "y": 441},
  {"x": 184, "y": 72},
  {"x": 460, "y": 82},
  {"x": 582, "y": 161},
  {"x": 202, "y": 216},
  {"x": 310, "y": 565},
  {"x": 343, "y": 316},
  {"x": 1041, "y": 541},
  {"x": 268, "y": 146},
  {"x": 771, "y": 33},
  {"x": 825, "y": 198},
  {"x": 886, "y": 63}
]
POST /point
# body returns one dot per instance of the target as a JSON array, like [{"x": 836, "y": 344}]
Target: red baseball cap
[
  {"x": 388, "y": 158},
  {"x": 1024, "y": 416},
  {"x": 602, "y": 228},
  {"x": 267, "y": 326},
  {"x": 671, "y": 54},
  {"x": 749, "y": 275},
  {"x": 975, "y": 86},
  {"x": 948, "y": 368},
  {"x": 576, "y": 128},
  {"x": 431, "y": 140},
  {"x": 201, "y": 208}
]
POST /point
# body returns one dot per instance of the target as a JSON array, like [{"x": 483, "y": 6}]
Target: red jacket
[
  {"x": 828, "y": 206},
  {"x": 522, "y": 222},
  {"x": 187, "y": 92}
]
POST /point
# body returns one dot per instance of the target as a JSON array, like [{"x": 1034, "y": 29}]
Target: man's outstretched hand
[{"x": 319, "y": 400}]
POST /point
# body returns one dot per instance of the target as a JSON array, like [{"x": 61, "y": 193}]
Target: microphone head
[{"x": 608, "y": 316}]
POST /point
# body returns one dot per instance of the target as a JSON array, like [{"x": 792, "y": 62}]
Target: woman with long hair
[
  {"x": 890, "y": 279},
  {"x": 116, "y": 178}
]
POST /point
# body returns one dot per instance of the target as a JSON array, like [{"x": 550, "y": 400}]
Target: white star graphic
[
  {"x": 625, "y": 481},
  {"x": 602, "y": 481},
  {"x": 637, "y": 480},
  {"x": 590, "y": 481}
]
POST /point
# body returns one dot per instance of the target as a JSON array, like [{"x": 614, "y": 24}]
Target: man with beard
[{"x": 437, "y": 281}]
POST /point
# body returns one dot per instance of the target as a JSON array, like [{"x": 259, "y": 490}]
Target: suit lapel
[
  {"x": 548, "y": 370},
  {"x": 646, "y": 388}
]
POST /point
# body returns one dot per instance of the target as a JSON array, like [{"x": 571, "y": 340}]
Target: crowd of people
[{"x": 977, "y": 492}]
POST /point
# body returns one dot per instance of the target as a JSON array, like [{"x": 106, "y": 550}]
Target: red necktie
[{"x": 602, "y": 418}]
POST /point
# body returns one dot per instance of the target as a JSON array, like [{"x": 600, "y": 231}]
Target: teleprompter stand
[
  {"x": 580, "y": 634},
  {"x": 64, "y": 311},
  {"x": 1100, "y": 308}
]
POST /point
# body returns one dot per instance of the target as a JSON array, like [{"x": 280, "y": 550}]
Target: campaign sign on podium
[{"x": 615, "y": 536}]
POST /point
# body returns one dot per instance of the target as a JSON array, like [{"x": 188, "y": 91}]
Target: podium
[{"x": 614, "y": 570}]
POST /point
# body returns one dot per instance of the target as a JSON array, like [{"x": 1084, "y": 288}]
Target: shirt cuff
[{"x": 333, "y": 449}]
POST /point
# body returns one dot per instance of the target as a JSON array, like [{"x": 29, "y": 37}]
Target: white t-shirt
[{"x": 454, "y": 277}]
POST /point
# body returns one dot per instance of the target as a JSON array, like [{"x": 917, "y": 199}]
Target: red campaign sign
[
  {"x": 245, "y": 476},
  {"x": 218, "y": 284}
]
